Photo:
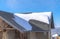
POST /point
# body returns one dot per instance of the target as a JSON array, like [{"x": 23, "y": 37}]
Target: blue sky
[{"x": 33, "y": 6}]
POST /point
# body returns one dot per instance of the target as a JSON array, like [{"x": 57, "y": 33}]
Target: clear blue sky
[{"x": 33, "y": 6}]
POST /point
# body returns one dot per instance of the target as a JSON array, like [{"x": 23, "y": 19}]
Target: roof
[
  {"x": 44, "y": 17},
  {"x": 25, "y": 22}
]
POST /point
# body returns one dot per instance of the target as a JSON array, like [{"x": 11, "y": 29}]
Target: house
[{"x": 26, "y": 26}]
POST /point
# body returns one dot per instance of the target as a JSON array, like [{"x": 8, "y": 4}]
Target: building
[{"x": 26, "y": 26}]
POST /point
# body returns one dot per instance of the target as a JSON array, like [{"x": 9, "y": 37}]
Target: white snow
[
  {"x": 54, "y": 35},
  {"x": 40, "y": 16}
]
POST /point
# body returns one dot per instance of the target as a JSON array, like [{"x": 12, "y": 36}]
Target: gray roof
[{"x": 24, "y": 26}]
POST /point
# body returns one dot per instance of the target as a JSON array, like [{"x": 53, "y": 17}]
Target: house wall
[
  {"x": 38, "y": 35},
  {"x": 8, "y": 35},
  {"x": 32, "y": 35},
  {"x": 49, "y": 35},
  {"x": 6, "y": 32},
  {"x": 11, "y": 34},
  {"x": 0, "y": 35}
]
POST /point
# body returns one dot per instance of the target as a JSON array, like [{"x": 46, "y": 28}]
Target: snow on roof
[
  {"x": 40, "y": 16},
  {"x": 22, "y": 19}
]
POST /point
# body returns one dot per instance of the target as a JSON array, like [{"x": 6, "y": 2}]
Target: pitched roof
[{"x": 22, "y": 23}]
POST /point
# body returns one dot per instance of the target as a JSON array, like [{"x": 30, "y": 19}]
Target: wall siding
[{"x": 38, "y": 35}]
